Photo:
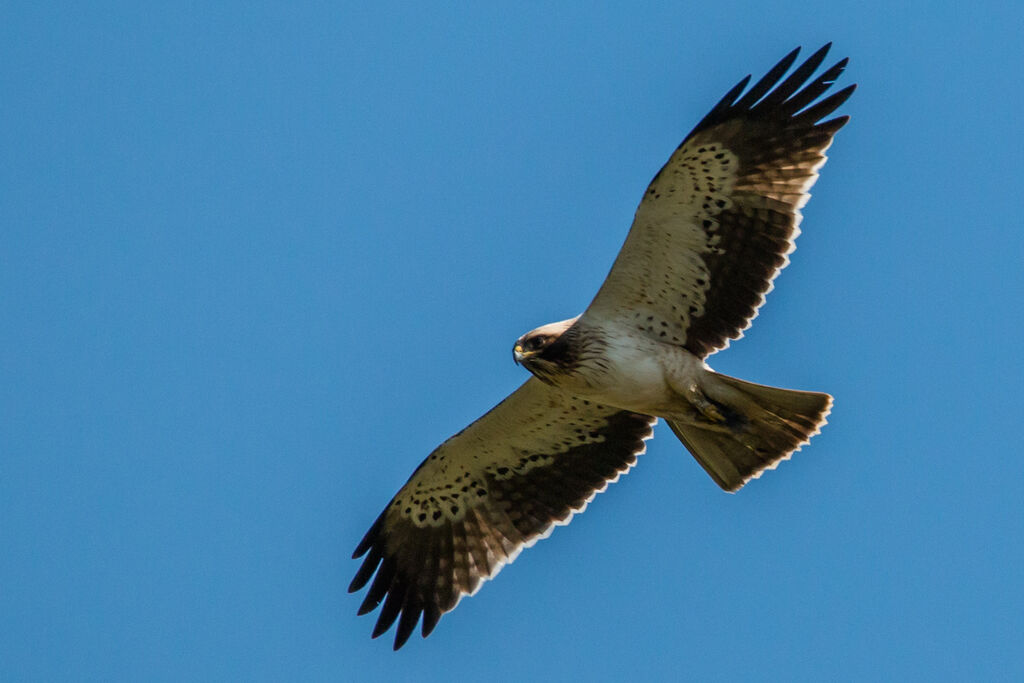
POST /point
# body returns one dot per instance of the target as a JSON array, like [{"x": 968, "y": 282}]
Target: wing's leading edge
[
  {"x": 496, "y": 487},
  {"x": 718, "y": 221}
]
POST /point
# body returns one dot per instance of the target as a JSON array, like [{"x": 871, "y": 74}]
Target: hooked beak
[{"x": 519, "y": 355}]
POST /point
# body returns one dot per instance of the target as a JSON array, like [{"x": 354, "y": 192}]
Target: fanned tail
[{"x": 744, "y": 428}]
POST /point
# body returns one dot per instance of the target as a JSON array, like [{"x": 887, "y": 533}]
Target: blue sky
[{"x": 257, "y": 260}]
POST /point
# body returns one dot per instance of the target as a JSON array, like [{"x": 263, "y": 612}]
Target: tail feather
[{"x": 760, "y": 426}]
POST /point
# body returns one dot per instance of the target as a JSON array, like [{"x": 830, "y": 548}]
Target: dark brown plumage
[
  {"x": 779, "y": 148},
  {"x": 426, "y": 569}
]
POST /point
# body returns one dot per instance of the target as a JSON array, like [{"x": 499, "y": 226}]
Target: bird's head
[{"x": 546, "y": 350}]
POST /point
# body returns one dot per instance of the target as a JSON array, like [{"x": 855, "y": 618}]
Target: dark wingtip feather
[
  {"x": 431, "y": 615},
  {"x": 836, "y": 69},
  {"x": 813, "y": 90},
  {"x": 367, "y": 569},
  {"x": 724, "y": 105},
  {"x": 391, "y": 609},
  {"x": 823, "y": 51},
  {"x": 768, "y": 80},
  {"x": 795, "y": 79},
  {"x": 775, "y": 98},
  {"x": 367, "y": 606},
  {"x": 379, "y": 587},
  {"x": 730, "y": 97},
  {"x": 816, "y": 112},
  {"x": 832, "y": 126},
  {"x": 369, "y": 537},
  {"x": 407, "y": 622}
]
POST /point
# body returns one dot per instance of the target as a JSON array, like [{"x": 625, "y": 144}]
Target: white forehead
[{"x": 552, "y": 329}]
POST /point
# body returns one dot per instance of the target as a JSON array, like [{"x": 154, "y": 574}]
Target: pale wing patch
[
  {"x": 697, "y": 184},
  {"x": 490, "y": 570},
  {"x": 678, "y": 228},
  {"x": 717, "y": 222},
  {"x": 498, "y": 486},
  {"x": 546, "y": 425},
  {"x": 661, "y": 276}
]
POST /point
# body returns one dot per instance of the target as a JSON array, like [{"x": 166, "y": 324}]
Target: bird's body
[
  {"x": 632, "y": 372},
  {"x": 712, "y": 231}
]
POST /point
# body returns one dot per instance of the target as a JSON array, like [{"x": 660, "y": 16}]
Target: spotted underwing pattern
[
  {"x": 712, "y": 231},
  {"x": 718, "y": 221},
  {"x": 485, "y": 494}
]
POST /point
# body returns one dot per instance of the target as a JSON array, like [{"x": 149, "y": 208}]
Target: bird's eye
[{"x": 536, "y": 343}]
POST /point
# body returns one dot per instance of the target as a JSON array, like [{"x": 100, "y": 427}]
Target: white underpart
[{"x": 636, "y": 373}]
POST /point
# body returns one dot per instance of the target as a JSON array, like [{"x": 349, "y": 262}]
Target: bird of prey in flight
[{"x": 712, "y": 231}]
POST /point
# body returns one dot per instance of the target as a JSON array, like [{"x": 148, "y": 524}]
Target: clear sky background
[{"x": 257, "y": 260}]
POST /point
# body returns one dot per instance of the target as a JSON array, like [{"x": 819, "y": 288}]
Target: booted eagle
[{"x": 712, "y": 231}]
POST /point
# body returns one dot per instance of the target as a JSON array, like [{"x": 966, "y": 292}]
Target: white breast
[{"x": 638, "y": 373}]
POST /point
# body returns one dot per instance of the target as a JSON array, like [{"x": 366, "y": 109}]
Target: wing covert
[
  {"x": 486, "y": 493},
  {"x": 717, "y": 222}
]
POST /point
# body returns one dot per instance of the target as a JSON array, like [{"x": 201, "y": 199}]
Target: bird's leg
[{"x": 704, "y": 405}]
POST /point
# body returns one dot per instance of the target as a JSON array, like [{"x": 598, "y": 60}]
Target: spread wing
[
  {"x": 486, "y": 493},
  {"x": 717, "y": 222}
]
